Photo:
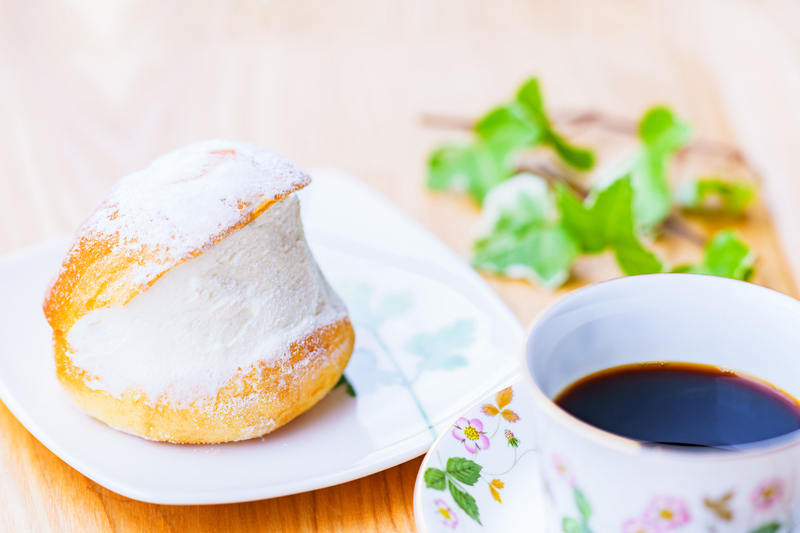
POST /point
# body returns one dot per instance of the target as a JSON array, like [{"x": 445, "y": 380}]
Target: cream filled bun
[{"x": 189, "y": 307}]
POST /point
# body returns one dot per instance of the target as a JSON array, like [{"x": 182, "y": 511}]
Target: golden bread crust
[{"x": 252, "y": 404}]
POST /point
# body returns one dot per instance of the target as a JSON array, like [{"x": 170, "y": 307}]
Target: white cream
[{"x": 241, "y": 301}]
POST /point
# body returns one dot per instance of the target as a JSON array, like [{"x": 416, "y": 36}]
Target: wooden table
[{"x": 92, "y": 91}]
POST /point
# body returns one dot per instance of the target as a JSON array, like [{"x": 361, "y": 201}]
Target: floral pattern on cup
[
  {"x": 665, "y": 513},
  {"x": 562, "y": 470},
  {"x": 767, "y": 493},
  {"x": 639, "y": 525},
  {"x": 459, "y": 476},
  {"x": 579, "y": 523},
  {"x": 470, "y": 433}
]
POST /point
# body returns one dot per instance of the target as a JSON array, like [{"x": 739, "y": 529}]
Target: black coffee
[{"x": 682, "y": 404}]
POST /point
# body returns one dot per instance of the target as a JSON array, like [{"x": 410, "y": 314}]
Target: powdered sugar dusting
[
  {"x": 186, "y": 199},
  {"x": 240, "y": 303}
]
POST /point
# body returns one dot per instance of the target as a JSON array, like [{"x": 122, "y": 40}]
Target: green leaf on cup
[
  {"x": 570, "y": 525},
  {"x": 463, "y": 470},
  {"x": 435, "y": 479},
  {"x": 465, "y": 501},
  {"x": 583, "y": 505},
  {"x": 772, "y": 527}
]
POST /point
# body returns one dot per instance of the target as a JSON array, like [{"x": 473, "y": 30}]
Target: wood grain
[{"x": 91, "y": 91}]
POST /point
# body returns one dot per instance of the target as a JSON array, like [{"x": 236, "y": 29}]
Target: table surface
[{"x": 92, "y": 91}]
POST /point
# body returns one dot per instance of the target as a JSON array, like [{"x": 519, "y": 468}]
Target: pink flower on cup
[
  {"x": 665, "y": 513},
  {"x": 445, "y": 514},
  {"x": 470, "y": 433},
  {"x": 767, "y": 493},
  {"x": 639, "y": 525},
  {"x": 562, "y": 470}
]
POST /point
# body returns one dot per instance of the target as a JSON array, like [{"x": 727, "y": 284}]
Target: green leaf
[
  {"x": 465, "y": 501},
  {"x": 725, "y": 255},
  {"x": 662, "y": 134},
  {"x": 606, "y": 220},
  {"x": 570, "y": 525},
  {"x": 518, "y": 203},
  {"x": 435, "y": 479},
  {"x": 509, "y": 126},
  {"x": 348, "y": 387},
  {"x": 542, "y": 255},
  {"x": 660, "y": 128},
  {"x": 580, "y": 221},
  {"x": 634, "y": 259},
  {"x": 716, "y": 195},
  {"x": 530, "y": 96},
  {"x": 463, "y": 470},
  {"x": 525, "y": 238},
  {"x": 580, "y": 158},
  {"x": 772, "y": 527},
  {"x": 473, "y": 168},
  {"x": 501, "y": 134},
  {"x": 583, "y": 505}
]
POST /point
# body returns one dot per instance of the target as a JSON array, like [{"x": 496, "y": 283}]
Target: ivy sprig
[
  {"x": 526, "y": 236},
  {"x": 536, "y": 229},
  {"x": 500, "y": 136}
]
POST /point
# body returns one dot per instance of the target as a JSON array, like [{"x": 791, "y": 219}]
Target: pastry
[{"x": 189, "y": 307}]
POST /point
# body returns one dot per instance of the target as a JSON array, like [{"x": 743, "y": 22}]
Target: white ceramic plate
[
  {"x": 496, "y": 488},
  {"x": 431, "y": 339}
]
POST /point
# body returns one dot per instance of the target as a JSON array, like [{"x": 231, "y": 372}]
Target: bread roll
[{"x": 189, "y": 307}]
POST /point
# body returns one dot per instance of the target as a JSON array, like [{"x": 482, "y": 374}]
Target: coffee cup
[{"x": 598, "y": 482}]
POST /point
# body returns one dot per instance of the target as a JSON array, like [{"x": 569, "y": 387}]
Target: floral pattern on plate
[{"x": 476, "y": 463}]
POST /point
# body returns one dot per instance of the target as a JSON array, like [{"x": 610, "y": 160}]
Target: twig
[
  {"x": 446, "y": 122},
  {"x": 603, "y": 120},
  {"x": 599, "y": 119},
  {"x": 676, "y": 226},
  {"x": 552, "y": 177}
]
